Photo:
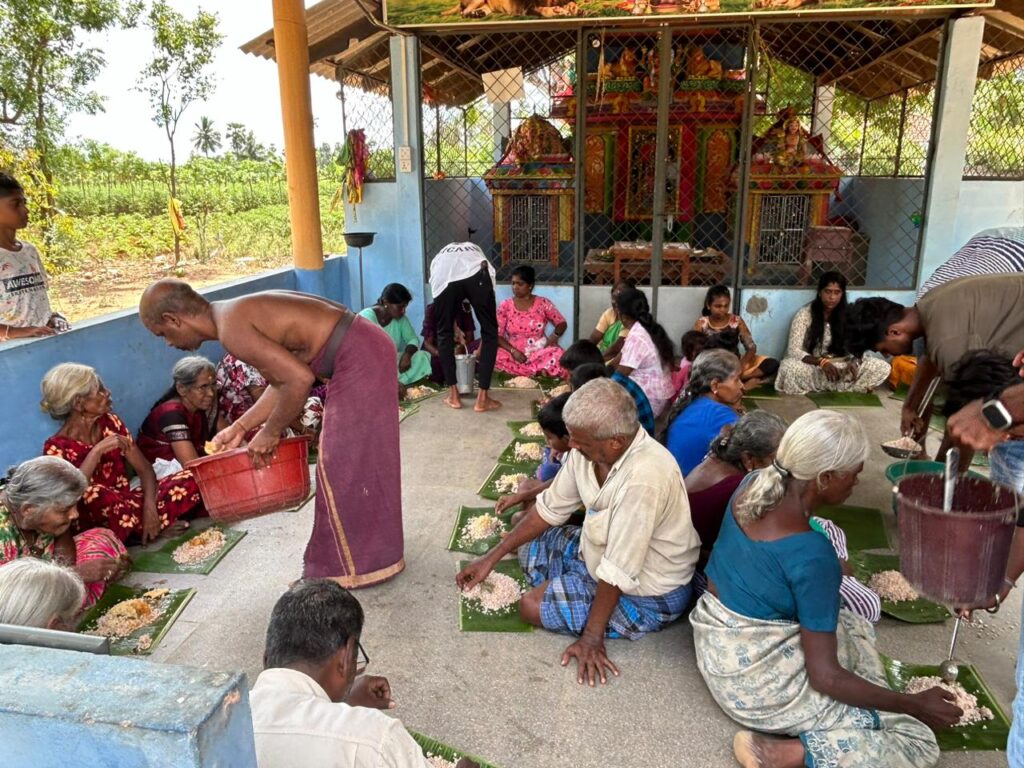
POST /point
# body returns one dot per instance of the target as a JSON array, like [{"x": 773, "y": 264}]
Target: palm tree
[{"x": 206, "y": 139}]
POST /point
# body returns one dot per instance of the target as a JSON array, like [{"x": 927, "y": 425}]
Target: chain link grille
[
  {"x": 366, "y": 105},
  {"x": 995, "y": 146}
]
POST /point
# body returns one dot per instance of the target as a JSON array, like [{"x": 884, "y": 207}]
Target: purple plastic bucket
[{"x": 957, "y": 557}]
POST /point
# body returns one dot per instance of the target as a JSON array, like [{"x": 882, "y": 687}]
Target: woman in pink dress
[
  {"x": 523, "y": 347},
  {"x": 648, "y": 354}
]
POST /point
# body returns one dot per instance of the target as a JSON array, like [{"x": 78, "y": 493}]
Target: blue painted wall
[
  {"x": 133, "y": 363},
  {"x": 79, "y": 709}
]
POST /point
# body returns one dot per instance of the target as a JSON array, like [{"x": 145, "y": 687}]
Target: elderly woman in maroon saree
[
  {"x": 185, "y": 416},
  {"x": 97, "y": 442}
]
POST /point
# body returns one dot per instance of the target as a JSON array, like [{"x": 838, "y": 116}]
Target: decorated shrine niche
[
  {"x": 790, "y": 185},
  {"x": 533, "y": 188},
  {"x": 708, "y": 91}
]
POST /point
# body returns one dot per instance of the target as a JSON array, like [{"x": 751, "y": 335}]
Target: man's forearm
[
  {"x": 288, "y": 401},
  {"x": 1013, "y": 399},
  {"x": 601, "y": 610},
  {"x": 925, "y": 371}
]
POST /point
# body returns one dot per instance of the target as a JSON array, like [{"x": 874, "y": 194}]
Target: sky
[{"x": 247, "y": 88}]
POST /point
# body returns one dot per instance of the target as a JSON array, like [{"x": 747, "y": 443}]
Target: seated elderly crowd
[{"x": 657, "y": 496}]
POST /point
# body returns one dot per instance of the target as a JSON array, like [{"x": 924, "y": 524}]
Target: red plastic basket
[{"x": 233, "y": 490}]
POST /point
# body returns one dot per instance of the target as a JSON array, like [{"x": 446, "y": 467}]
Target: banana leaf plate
[
  {"x": 489, "y": 491},
  {"x": 171, "y": 605},
  {"x": 844, "y": 399},
  {"x": 501, "y": 379},
  {"x": 473, "y": 620},
  {"x": 483, "y": 546},
  {"x": 162, "y": 560},
  {"x": 517, "y": 431},
  {"x": 433, "y": 390},
  {"x": 432, "y": 747},
  {"x": 508, "y": 456},
  {"x": 986, "y": 735},
  {"x": 404, "y": 412},
  {"x": 920, "y": 611},
  {"x": 863, "y": 526}
]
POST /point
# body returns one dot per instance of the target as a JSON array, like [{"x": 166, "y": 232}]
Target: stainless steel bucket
[{"x": 465, "y": 370}]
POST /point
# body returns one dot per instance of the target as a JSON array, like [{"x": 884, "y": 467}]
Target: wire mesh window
[
  {"x": 366, "y": 106},
  {"x": 995, "y": 144},
  {"x": 844, "y": 116},
  {"x": 497, "y": 161}
]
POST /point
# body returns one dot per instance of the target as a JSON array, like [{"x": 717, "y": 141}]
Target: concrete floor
[{"x": 504, "y": 696}]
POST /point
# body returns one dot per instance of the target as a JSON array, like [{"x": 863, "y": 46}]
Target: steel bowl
[{"x": 359, "y": 239}]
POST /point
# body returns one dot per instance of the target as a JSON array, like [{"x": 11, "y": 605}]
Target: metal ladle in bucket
[{"x": 948, "y": 670}]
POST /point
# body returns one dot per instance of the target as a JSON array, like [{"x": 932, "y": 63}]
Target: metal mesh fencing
[
  {"x": 995, "y": 143},
  {"x": 366, "y": 105},
  {"x": 498, "y": 162},
  {"x": 839, "y": 149}
]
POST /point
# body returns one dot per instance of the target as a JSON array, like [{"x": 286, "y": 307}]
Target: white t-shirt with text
[{"x": 23, "y": 296}]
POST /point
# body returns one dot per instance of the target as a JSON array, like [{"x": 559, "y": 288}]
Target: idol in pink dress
[{"x": 526, "y": 332}]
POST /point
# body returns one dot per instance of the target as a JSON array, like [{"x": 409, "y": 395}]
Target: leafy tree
[
  {"x": 46, "y": 73},
  {"x": 206, "y": 139},
  {"x": 179, "y": 74}
]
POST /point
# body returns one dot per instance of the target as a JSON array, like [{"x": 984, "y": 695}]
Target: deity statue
[{"x": 700, "y": 67}]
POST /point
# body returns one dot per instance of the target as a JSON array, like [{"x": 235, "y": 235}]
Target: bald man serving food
[{"x": 293, "y": 339}]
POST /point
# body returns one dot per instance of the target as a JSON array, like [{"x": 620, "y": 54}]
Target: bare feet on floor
[
  {"x": 484, "y": 402},
  {"x": 755, "y": 750},
  {"x": 453, "y": 401}
]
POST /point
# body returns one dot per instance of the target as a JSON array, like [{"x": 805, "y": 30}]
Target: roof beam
[
  {"x": 834, "y": 75},
  {"x": 346, "y": 56}
]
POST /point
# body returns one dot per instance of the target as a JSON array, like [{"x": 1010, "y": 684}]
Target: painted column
[
  {"x": 410, "y": 259},
  {"x": 821, "y": 120},
  {"x": 291, "y": 46},
  {"x": 957, "y": 78}
]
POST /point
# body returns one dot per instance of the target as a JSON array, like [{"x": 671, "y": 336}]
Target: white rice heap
[
  {"x": 495, "y": 594},
  {"x": 200, "y": 548},
  {"x": 533, "y": 429},
  {"x": 509, "y": 483},
  {"x": 522, "y": 382},
  {"x": 892, "y": 586},
  {"x": 144, "y": 644},
  {"x": 481, "y": 527},
  {"x": 528, "y": 452},
  {"x": 414, "y": 393},
  {"x": 561, "y": 389},
  {"x": 968, "y": 702},
  {"x": 436, "y": 761},
  {"x": 904, "y": 444}
]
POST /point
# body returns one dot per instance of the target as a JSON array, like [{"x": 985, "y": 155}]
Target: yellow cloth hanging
[{"x": 177, "y": 218}]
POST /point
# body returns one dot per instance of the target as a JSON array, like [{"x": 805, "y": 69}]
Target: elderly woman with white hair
[
  {"x": 185, "y": 417},
  {"x": 39, "y": 593},
  {"x": 775, "y": 649},
  {"x": 96, "y": 441},
  {"x": 38, "y": 507},
  {"x": 627, "y": 570}
]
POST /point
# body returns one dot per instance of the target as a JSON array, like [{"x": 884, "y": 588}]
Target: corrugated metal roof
[{"x": 871, "y": 58}]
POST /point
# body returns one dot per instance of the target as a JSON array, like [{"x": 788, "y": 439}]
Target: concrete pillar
[
  {"x": 957, "y": 77},
  {"x": 407, "y": 105},
  {"x": 291, "y": 46},
  {"x": 821, "y": 120},
  {"x": 502, "y": 123}
]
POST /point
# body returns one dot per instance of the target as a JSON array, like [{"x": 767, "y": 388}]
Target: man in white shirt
[
  {"x": 309, "y": 708},
  {"x": 24, "y": 301},
  {"x": 461, "y": 271},
  {"x": 627, "y": 571}
]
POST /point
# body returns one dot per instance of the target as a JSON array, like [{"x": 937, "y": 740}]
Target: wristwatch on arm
[{"x": 996, "y": 414}]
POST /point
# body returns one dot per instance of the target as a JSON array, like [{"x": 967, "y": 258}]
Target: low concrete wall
[
  {"x": 133, "y": 363},
  {"x": 79, "y": 709}
]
